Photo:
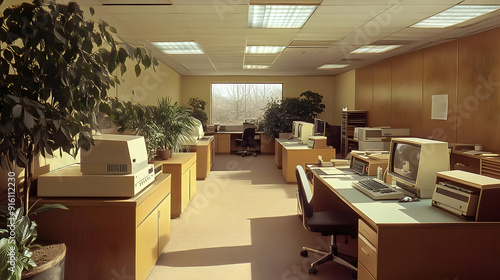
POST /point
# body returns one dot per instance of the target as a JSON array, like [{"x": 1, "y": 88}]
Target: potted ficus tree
[
  {"x": 279, "y": 114},
  {"x": 197, "y": 106},
  {"x": 56, "y": 68}
]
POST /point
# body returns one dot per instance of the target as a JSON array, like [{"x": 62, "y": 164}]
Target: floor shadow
[{"x": 273, "y": 253}]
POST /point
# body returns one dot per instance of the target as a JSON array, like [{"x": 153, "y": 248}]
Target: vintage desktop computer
[
  {"x": 413, "y": 163},
  {"x": 116, "y": 166}
]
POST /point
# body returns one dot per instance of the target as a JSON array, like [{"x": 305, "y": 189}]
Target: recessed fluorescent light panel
[
  {"x": 255, "y": 67},
  {"x": 178, "y": 47},
  {"x": 279, "y": 16},
  {"x": 376, "y": 49},
  {"x": 333, "y": 66},
  {"x": 455, "y": 15},
  {"x": 264, "y": 49}
]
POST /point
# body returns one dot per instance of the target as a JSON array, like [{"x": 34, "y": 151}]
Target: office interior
[{"x": 396, "y": 88}]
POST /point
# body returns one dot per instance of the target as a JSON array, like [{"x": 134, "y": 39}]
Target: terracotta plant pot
[
  {"x": 50, "y": 263},
  {"x": 164, "y": 154}
]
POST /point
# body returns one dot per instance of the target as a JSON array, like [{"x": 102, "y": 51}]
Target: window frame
[{"x": 236, "y": 83}]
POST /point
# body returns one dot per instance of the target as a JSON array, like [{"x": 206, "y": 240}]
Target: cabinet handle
[{"x": 364, "y": 251}]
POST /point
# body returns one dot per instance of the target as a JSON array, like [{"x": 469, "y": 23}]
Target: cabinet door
[
  {"x": 185, "y": 189},
  {"x": 163, "y": 223},
  {"x": 192, "y": 181},
  {"x": 147, "y": 245},
  {"x": 223, "y": 143}
]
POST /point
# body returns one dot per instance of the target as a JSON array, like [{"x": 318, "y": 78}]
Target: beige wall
[
  {"x": 199, "y": 86},
  {"x": 150, "y": 85},
  {"x": 344, "y": 90}
]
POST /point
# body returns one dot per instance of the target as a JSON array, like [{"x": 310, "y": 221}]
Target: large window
[{"x": 233, "y": 103}]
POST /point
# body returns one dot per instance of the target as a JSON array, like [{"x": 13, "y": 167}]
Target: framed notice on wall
[{"x": 439, "y": 107}]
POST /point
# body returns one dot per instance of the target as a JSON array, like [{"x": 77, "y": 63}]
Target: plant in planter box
[
  {"x": 175, "y": 124},
  {"x": 279, "y": 115},
  {"x": 198, "y": 110},
  {"x": 56, "y": 69}
]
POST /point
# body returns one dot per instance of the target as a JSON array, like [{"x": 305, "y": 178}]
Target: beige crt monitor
[{"x": 413, "y": 163}]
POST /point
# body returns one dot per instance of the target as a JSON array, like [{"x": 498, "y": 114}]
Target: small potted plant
[{"x": 175, "y": 123}]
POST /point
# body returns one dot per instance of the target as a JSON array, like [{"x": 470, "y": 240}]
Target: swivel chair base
[
  {"x": 246, "y": 153},
  {"x": 333, "y": 255}
]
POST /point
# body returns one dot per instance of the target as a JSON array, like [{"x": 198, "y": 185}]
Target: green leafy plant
[
  {"x": 198, "y": 110},
  {"x": 175, "y": 123},
  {"x": 56, "y": 68},
  {"x": 164, "y": 126},
  {"x": 279, "y": 115}
]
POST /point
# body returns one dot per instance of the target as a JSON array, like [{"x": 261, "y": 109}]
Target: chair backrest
[
  {"x": 305, "y": 193},
  {"x": 248, "y": 133}
]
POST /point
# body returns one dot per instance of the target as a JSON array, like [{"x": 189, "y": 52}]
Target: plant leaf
[
  {"x": 137, "y": 70},
  {"x": 16, "y": 111},
  {"x": 29, "y": 121},
  {"x": 92, "y": 11},
  {"x": 46, "y": 207}
]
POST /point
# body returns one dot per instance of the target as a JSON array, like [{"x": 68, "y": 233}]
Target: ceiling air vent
[
  {"x": 134, "y": 2},
  {"x": 310, "y": 44}
]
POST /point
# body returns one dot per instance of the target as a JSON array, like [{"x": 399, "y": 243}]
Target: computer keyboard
[{"x": 377, "y": 189}]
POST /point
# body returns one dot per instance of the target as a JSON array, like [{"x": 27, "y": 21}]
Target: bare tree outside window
[{"x": 233, "y": 103}]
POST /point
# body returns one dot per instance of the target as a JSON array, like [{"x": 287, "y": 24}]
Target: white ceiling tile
[{"x": 220, "y": 27}]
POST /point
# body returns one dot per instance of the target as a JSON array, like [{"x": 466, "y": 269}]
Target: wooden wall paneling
[
  {"x": 406, "y": 108},
  {"x": 382, "y": 92},
  {"x": 478, "y": 103},
  {"x": 364, "y": 90},
  {"x": 440, "y": 77}
]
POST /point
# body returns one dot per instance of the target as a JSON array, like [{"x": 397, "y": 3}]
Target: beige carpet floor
[{"x": 241, "y": 225}]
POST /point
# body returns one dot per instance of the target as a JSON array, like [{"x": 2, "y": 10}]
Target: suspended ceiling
[{"x": 336, "y": 28}]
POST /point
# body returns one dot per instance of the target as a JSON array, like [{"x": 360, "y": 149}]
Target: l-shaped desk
[
  {"x": 411, "y": 240},
  {"x": 289, "y": 153}
]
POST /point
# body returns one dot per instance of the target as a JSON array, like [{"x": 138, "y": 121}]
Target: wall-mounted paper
[{"x": 439, "y": 107}]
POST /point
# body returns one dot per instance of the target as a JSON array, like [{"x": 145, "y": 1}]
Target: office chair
[
  {"x": 328, "y": 223},
  {"x": 248, "y": 140}
]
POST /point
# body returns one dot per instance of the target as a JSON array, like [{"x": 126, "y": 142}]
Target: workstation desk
[
  {"x": 225, "y": 142},
  {"x": 411, "y": 240},
  {"x": 289, "y": 153}
]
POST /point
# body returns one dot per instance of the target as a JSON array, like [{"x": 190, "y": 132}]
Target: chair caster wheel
[
  {"x": 303, "y": 253},
  {"x": 313, "y": 271}
]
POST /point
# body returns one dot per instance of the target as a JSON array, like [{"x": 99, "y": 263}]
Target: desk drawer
[
  {"x": 367, "y": 255},
  {"x": 368, "y": 233},
  {"x": 363, "y": 274}
]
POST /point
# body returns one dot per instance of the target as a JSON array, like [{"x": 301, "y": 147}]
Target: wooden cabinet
[
  {"x": 182, "y": 166},
  {"x": 278, "y": 153},
  {"x": 350, "y": 120},
  {"x": 205, "y": 153},
  {"x": 223, "y": 142},
  {"x": 367, "y": 250},
  {"x": 266, "y": 144},
  {"x": 110, "y": 238}
]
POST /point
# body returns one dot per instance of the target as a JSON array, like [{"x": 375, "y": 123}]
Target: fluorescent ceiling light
[
  {"x": 333, "y": 66},
  {"x": 264, "y": 49},
  {"x": 248, "y": 66},
  {"x": 178, "y": 47},
  {"x": 455, "y": 15},
  {"x": 279, "y": 16},
  {"x": 376, "y": 49}
]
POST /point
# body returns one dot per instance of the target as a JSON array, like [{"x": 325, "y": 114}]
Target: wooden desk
[
  {"x": 106, "y": 238},
  {"x": 205, "y": 154},
  {"x": 412, "y": 240},
  {"x": 225, "y": 142},
  {"x": 182, "y": 166},
  {"x": 293, "y": 153}
]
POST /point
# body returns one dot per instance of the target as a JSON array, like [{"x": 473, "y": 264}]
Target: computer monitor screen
[
  {"x": 413, "y": 164},
  {"x": 319, "y": 127},
  {"x": 405, "y": 160},
  {"x": 299, "y": 129}
]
